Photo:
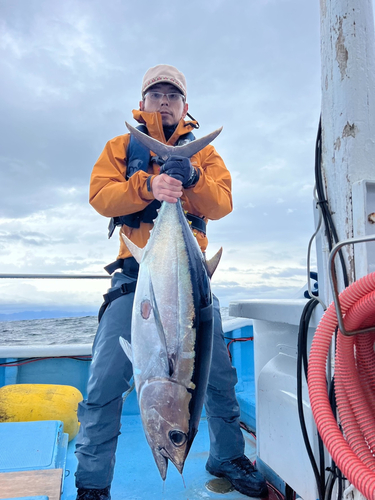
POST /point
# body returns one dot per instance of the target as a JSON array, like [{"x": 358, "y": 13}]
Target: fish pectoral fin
[
  {"x": 135, "y": 251},
  {"x": 161, "y": 333},
  {"x": 127, "y": 348},
  {"x": 212, "y": 264}
]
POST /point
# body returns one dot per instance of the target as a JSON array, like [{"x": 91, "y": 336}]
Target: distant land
[{"x": 23, "y": 315}]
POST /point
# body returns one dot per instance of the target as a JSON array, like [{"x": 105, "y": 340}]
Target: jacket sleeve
[
  {"x": 211, "y": 196},
  {"x": 110, "y": 193}
]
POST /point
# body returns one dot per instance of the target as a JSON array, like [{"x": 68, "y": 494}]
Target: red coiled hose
[{"x": 354, "y": 451}]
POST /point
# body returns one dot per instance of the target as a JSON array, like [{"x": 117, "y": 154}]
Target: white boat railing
[
  {"x": 41, "y": 351},
  {"x": 45, "y": 351}
]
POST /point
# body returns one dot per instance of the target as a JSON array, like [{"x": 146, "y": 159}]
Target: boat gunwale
[{"x": 61, "y": 350}]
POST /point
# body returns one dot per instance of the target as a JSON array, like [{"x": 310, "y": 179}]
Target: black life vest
[{"x": 138, "y": 158}]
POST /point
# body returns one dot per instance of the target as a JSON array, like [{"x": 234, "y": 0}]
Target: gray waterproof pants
[{"x": 109, "y": 378}]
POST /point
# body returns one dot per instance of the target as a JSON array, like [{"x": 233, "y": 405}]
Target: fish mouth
[
  {"x": 161, "y": 462},
  {"x": 179, "y": 466}
]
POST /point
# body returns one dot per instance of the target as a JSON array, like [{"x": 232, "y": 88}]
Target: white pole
[{"x": 348, "y": 119}]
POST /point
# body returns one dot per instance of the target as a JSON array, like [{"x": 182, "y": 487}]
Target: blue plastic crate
[{"x": 32, "y": 446}]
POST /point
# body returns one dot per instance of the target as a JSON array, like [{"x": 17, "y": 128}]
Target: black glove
[{"x": 181, "y": 169}]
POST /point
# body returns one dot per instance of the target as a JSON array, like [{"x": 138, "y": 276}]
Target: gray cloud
[
  {"x": 30, "y": 238},
  {"x": 71, "y": 76}
]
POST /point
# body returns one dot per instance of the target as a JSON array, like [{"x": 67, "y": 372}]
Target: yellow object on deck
[{"x": 33, "y": 402}]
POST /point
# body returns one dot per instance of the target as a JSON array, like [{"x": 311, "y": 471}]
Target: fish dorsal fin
[
  {"x": 135, "y": 251},
  {"x": 127, "y": 348},
  {"x": 212, "y": 264}
]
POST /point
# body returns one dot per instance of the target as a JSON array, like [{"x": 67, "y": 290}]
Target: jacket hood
[{"x": 154, "y": 126}]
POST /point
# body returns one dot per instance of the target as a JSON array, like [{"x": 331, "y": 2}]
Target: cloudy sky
[{"x": 71, "y": 73}]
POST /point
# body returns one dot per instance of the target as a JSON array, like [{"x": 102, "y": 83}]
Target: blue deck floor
[{"x": 137, "y": 477}]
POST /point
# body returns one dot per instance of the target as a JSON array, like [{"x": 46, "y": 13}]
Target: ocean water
[
  {"x": 54, "y": 331},
  {"x": 49, "y": 331}
]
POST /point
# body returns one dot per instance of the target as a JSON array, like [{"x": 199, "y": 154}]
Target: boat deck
[{"x": 137, "y": 477}]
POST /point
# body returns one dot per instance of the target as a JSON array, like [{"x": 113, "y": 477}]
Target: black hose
[
  {"x": 302, "y": 365},
  {"x": 324, "y": 490},
  {"x": 330, "y": 484},
  {"x": 331, "y": 232}
]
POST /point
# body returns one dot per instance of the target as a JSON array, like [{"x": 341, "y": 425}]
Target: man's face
[{"x": 171, "y": 110}]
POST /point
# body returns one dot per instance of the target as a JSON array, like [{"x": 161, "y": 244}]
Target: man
[{"x": 128, "y": 186}]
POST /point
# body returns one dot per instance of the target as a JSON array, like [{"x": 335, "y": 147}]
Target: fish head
[{"x": 164, "y": 407}]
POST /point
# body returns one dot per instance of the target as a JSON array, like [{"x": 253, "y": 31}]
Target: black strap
[
  {"x": 109, "y": 297},
  {"x": 117, "y": 264},
  {"x": 124, "y": 289},
  {"x": 129, "y": 266},
  {"x": 197, "y": 222}
]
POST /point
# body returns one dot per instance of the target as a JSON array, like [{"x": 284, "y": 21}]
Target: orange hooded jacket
[{"x": 112, "y": 195}]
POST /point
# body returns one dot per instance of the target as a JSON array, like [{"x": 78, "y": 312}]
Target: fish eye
[{"x": 178, "y": 438}]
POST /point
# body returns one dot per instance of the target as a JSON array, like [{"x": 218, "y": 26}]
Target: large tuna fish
[{"x": 172, "y": 331}]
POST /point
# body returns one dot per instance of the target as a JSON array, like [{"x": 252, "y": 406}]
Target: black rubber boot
[
  {"x": 242, "y": 474},
  {"x": 84, "y": 494}
]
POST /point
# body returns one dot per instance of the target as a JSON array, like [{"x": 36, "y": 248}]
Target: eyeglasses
[{"x": 171, "y": 96}]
